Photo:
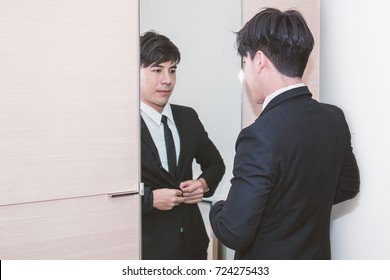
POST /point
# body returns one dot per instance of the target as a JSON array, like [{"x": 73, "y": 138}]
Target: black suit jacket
[
  {"x": 161, "y": 229},
  {"x": 291, "y": 165}
]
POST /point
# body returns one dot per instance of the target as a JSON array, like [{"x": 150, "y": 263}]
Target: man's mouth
[{"x": 164, "y": 92}]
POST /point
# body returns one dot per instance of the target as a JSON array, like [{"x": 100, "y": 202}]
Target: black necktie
[{"x": 170, "y": 145}]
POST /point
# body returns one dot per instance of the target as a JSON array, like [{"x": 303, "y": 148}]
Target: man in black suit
[
  {"x": 295, "y": 161},
  {"x": 172, "y": 225}
]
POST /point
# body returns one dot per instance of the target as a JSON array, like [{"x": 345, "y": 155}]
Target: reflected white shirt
[{"x": 152, "y": 120}]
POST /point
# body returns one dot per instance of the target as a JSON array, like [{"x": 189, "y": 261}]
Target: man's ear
[{"x": 260, "y": 60}]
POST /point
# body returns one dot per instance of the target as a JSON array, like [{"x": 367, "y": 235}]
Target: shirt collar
[
  {"x": 155, "y": 115},
  {"x": 279, "y": 91}
]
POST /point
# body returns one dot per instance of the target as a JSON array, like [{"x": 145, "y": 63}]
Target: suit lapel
[
  {"x": 181, "y": 129},
  {"x": 148, "y": 140}
]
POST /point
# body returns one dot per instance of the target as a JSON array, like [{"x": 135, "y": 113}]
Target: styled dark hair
[
  {"x": 283, "y": 37},
  {"x": 156, "y": 49}
]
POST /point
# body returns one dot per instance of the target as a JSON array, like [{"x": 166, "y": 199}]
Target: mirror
[{"x": 207, "y": 76}]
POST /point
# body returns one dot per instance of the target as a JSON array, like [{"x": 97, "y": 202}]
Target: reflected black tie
[{"x": 170, "y": 145}]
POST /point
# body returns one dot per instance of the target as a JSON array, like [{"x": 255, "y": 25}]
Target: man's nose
[{"x": 166, "y": 79}]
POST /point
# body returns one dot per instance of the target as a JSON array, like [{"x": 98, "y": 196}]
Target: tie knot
[{"x": 164, "y": 119}]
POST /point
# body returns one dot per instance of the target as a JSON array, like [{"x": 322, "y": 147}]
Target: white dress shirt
[{"x": 152, "y": 119}]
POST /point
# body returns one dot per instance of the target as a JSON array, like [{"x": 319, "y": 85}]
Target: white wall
[
  {"x": 354, "y": 75},
  {"x": 354, "y": 65}
]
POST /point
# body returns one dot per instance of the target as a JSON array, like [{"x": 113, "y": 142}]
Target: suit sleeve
[
  {"x": 147, "y": 201},
  {"x": 236, "y": 220},
  {"x": 209, "y": 159},
  {"x": 349, "y": 180}
]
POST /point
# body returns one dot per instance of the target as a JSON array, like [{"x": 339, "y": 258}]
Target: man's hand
[
  {"x": 166, "y": 199},
  {"x": 193, "y": 190}
]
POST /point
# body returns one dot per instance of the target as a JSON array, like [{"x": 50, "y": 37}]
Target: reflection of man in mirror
[
  {"x": 295, "y": 161},
  {"x": 172, "y": 137}
]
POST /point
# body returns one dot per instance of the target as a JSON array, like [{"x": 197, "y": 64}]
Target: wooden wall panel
[
  {"x": 311, "y": 11},
  {"x": 95, "y": 227},
  {"x": 68, "y": 98},
  {"x": 69, "y": 129}
]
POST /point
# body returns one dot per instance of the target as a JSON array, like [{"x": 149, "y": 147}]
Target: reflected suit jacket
[
  {"x": 291, "y": 165},
  {"x": 161, "y": 229}
]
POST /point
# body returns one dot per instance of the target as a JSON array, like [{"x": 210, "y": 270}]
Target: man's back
[{"x": 287, "y": 169}]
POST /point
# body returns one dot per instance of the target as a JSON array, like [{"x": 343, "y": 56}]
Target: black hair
[
  {"x": 156, "y": 49},
  {"x": 283, "y": 37}
]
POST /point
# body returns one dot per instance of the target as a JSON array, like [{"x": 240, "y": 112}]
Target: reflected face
[{"x": 157, "y": 82}]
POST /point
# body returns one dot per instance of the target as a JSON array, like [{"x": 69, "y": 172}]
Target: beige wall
[{"x": 69, "y": 129}]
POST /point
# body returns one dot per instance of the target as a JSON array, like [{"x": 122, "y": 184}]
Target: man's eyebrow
[{"x": 160, "y": 66}]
